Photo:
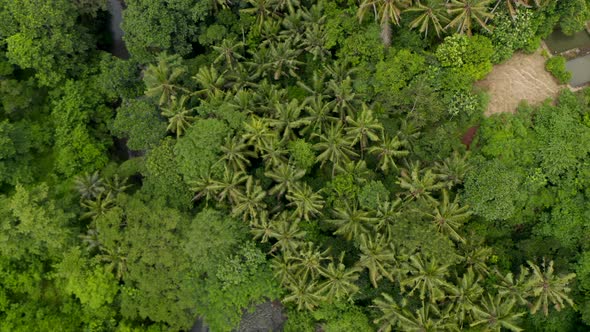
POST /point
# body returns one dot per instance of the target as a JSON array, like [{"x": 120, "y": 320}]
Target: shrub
[{"x": 556, "y": 66}]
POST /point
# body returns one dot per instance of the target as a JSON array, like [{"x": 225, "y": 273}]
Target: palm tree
[
  {"x": 431, "y": 14},
  {"x": 316, "y": 88},
  {"x": 390, "y": 312},
  {"x": 161, "y": 80},
  {"x": 352, "y": 222},
  {"x": 387, "y": 11},
  {"x": 363, "y": 128},
  {"x": 257, "y": 133},
  {"x": 206, "y": 187},
  {"x": 452, "y": 170},
  {"x": 98, "y": 206},
  {"x": 448, "y": 217},
  {"x": 286, "y": 176},
  {"x": 340, "y": 282},
  {"x": 314, "y": 42},
  {"x": 387, "y": 214},
  {"x": 273, "y": 152},
  {"x": 465, "y": 293},
  {"x": 378, "y": 256},
  {"x": 427, "y": 318},
  {"x": 261, "y": 8},
  {"x": 287, "y": 118},
  {"x": 548, "y": 288},
  {"x": 334, "y": 147},
  {"x": 344, "y": 97},
  {"x": 91, "y": 239},
  {"x": 230, "y": 186},
  {"x": 228, "y": 52},
  {"x": 464, "y": 12},
  {"x": 116, "y": 261},
  {"x": 307, "y": 202},
  {"x": 387, "y": 150},
  {"x": 287, "y": 233},
  {"x": 427, "y": 276},
  {"x": 513, "y": 287},
  {"x": 282, "y": 265},
  {"x": 261, "y": 227},
  {"x": 496, "y": 313},
  {"x": 308, "y": 261},
  {"x": 419, "y": 184},
  {"x": 476, "y": 255},
  {"x": 319, "y": 117},
  {"x": 304, "y": 293},
  {"x": 512, "y": 5},
  {"x": 210, "y": 79},
  {"x": 179, "y": 118},
  {"x": 252, "y": 201},
  {"x": 340, "y": 71},
  {"x": 282, "y": 60},
  {"x": 357, "y": 169},
  {"x": 116, "y": 185},
  {"x": 290, "y": 5},
  {"x": 89, "y": 186},
  {"x": 235, "y": 154}
]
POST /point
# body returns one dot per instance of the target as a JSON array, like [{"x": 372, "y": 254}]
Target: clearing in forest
[{"x": 523, "y": 77}]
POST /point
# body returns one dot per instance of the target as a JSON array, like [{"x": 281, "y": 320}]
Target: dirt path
[{"x": 523, "y": 77}]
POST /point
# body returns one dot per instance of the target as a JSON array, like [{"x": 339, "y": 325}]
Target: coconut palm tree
[
  {"x": 206, "y": 187},
  {"x": 427, "y": 276},
  {"x": 314, "y": 42},
  {"x": 316, "y": 87},
  {"x": 290, "y": 5},
  {"x": 287, "y": 233},
  {"x": 351, "y": 222},
  {"x": 475, "y": 255},
  {"x": 387, "y": 150},
  {"x": 91, "y": 239},
  {"x": 387, "y": 11},
  {"x": 235, "y": 153},
  {"x": 286, "y": 176},
  {"x": 282, "y": 266},
  {"x": 513, "y": 287},
  {"x": 363, "y": 128},
  {"x": 548, "y": 288},
  {"x": 307, "y": 203},
  {"x": 431, "y": 16},
  {"x": 390, "y": 312},
  {"x": 210, "y": 80},
  {"x": 448, "y": 217},
  {"x": 378, "y": 256},
  {"x": 419, "y": 184},
  {"x": 273, "y": 152},
  {"x": 287, "y": 118},
  {"x": 116, "y": 260},
  {"x": 228, "y": 52},
  {"x": 257, "y": 132},
  {"x": 319, "y": 115},
  {"x": 251, "y": 201},
  {"x": 340, "y": 281},
  {"x": 115, "y": 185},
  {"x": 387, "y": 214},
  {"x": 334, "y": 147},
  {"x": 427, "y": 318},
  {"x": 262, "y": 9},
  {"x": 452, "y": 170},
  {"x": 161, "y": 80},
  {"x": 304, "y": 293},
  {"x": 282, "y": 60},
  {"x": 496, "y": 314},
  {"x": 345, "y": 99},
  {"x": 230, "y": 186},
  {"x": 89, "y": 186},
  {"x": 179, "y": 118},
  {"x": 464, "y": 12},
  {"x": 465, "y": 294},
  {"x": 98, "y": 206},
  {"x": 308, "y": 261},
  {"x": 261, "y": 227}
]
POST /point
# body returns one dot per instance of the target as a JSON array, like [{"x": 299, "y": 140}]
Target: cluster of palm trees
[
  {"x": 279, "y": 198},
  {"x": 437, "y": 15}
]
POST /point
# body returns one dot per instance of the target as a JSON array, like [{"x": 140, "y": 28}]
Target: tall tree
[
  {"x": 162, "y": 79},
  {"x": 465, "y": 12},
  {"x": 387, "y": 11}
]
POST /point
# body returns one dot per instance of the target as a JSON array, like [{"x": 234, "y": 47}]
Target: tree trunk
[{"x": 386, "y": 33}]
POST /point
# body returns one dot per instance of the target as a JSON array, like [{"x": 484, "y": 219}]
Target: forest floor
[{"x": 523, "y": 77}]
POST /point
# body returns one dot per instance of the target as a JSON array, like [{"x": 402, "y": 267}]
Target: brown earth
[{"x": 523, "y": 77}]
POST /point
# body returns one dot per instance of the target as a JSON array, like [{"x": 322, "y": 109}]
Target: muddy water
[
  {"x": 118, "y": 48},
  {"x": 580, "y": 69}
]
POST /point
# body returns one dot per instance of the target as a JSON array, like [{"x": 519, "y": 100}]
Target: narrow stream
[{"x": 118, "y": 48}]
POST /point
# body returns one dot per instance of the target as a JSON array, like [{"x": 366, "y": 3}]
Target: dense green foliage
[
  {"x": 556, "y": 66},
  {"x": 292, "y": 151}
]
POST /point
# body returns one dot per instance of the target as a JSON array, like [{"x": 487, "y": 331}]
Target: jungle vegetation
[{"x": 297, "y": 151}]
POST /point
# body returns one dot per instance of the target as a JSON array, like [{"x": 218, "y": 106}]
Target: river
[{"x": 118, "y": 47}]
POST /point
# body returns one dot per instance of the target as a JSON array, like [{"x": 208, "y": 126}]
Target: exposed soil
[
  {"x": 523, "y": 77},
  {"x": 469, "y": 135}
]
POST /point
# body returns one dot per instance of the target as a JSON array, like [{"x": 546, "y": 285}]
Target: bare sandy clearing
[{"x": 523, "y": 77}]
